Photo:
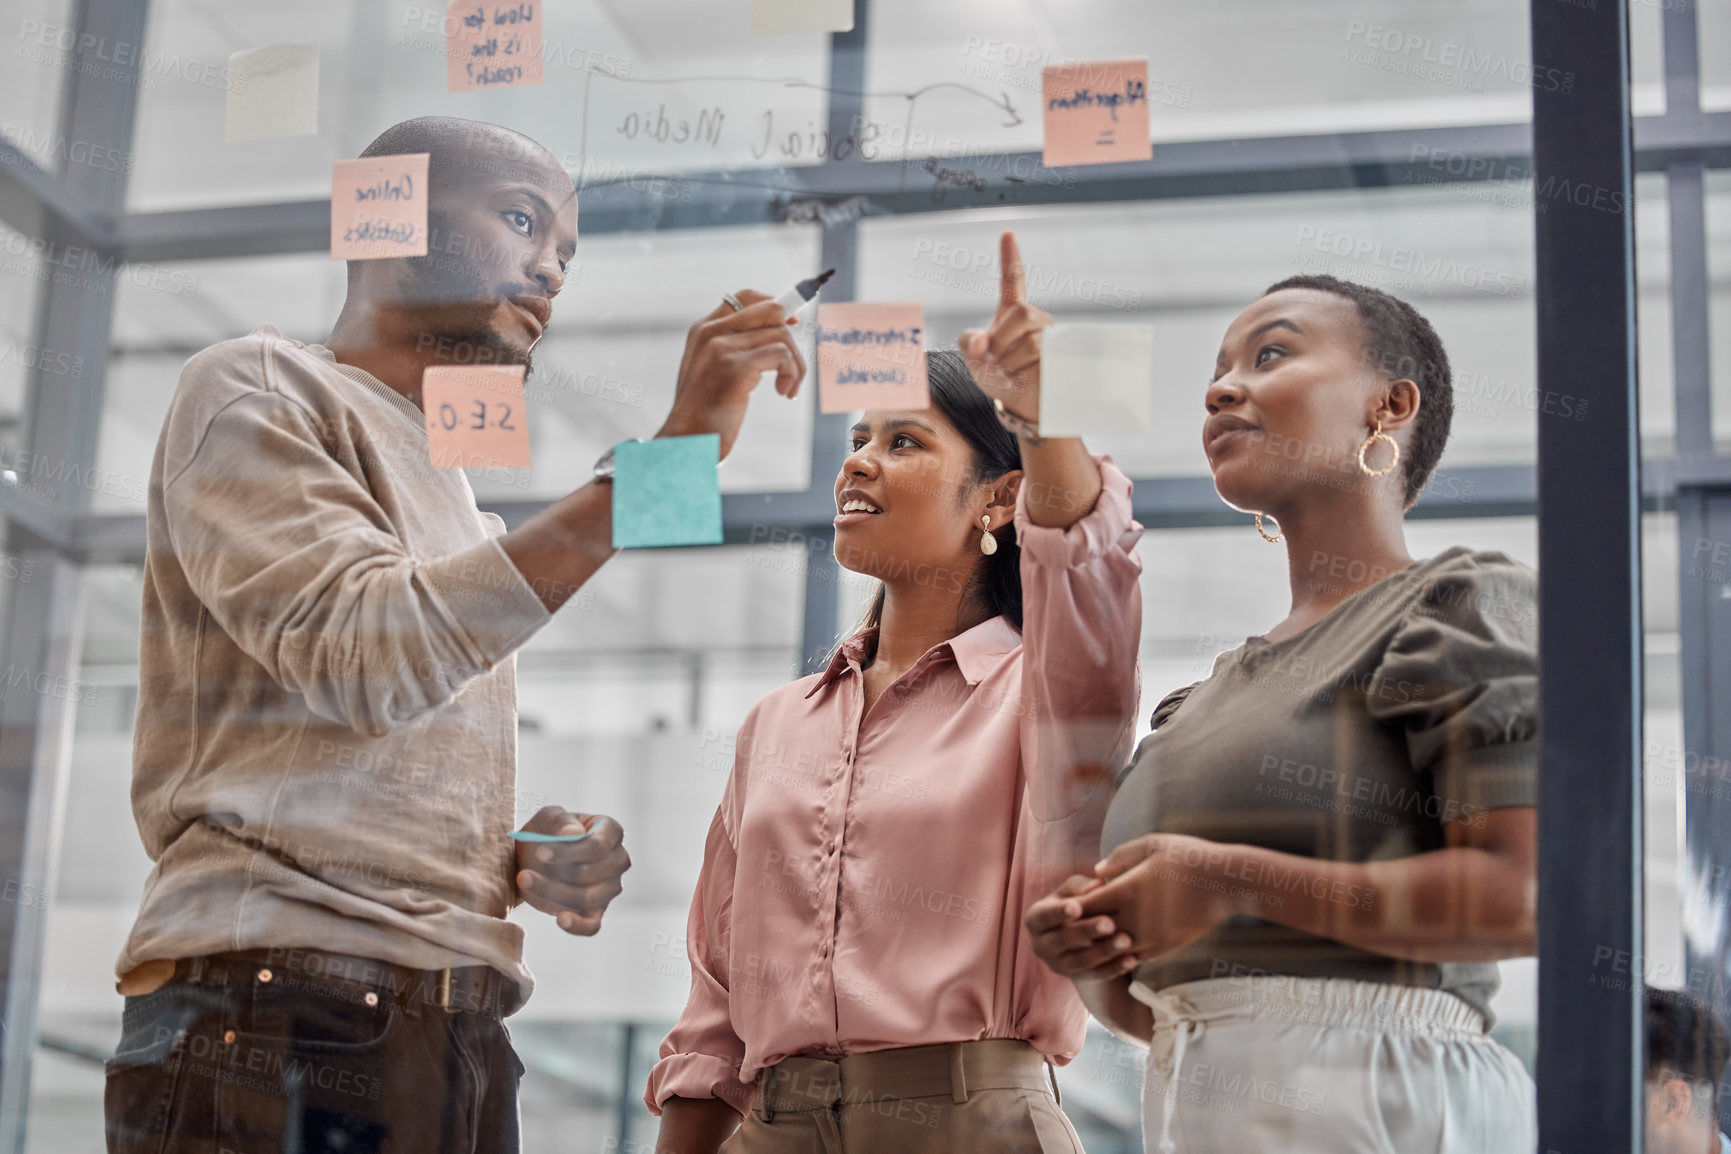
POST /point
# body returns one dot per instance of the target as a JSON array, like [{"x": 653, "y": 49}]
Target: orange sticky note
[
  {"x": 871, "y": 355},
  {"x": 1096, "y": 113},
  {"x": 475, "y": 416},
  {"x": 492, "y": 45},
  {"x": 379, "y": 207}
]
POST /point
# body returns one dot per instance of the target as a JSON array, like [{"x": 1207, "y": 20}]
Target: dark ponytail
[{"x": 997, "y": 582}]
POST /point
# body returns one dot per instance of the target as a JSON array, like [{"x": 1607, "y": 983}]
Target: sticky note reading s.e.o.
[
  {"x": 475, "y": 417},
  {"x": 272, "y": 91},
  {"x": 492, "y": 45},
  {"x": 1096, "y": 112},
  {"x": 379, "y": 207},
  {"x": 667, "y": 492},
  {"x": 871, "y": 355},
  {"x": 770, "y": 16},
  {"x": 1096, "y": 379}
]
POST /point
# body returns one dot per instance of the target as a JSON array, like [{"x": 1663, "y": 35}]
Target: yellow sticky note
[
  {"x": 272, "y": 91},
  {"x": 871, "y": 355},
  {"x": 771, "y": 16},
  {"x": 492, "y": 45},
  {"x": 1096, "y": 113},
  {"x": 475, "y": 416},
  {"x": 379, "y": 207}
]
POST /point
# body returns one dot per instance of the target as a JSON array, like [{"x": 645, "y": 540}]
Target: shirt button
[{"x": 228, "y": 1037}]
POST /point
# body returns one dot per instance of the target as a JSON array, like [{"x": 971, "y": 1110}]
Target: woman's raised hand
[{"x": 1005, "y": 358}]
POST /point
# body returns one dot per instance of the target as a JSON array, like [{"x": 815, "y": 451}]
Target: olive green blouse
[{"x": 1413, "y": 703}]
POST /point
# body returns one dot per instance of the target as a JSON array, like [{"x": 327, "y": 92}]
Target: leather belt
[{"x": 459, "y": 989}]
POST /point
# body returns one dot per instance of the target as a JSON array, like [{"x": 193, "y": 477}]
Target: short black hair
[
  {"x": 452, "y": 143},
  {"x": 1400, "y": 343},
  {"x": 1684, "y": 1039}
]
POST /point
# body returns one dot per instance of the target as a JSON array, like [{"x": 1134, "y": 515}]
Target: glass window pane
[
  {"x": 1714, "y": 24},
  {"x": 1717, "y": 190},
  {"x": 22, "y": 275},
  {"x": 1188, "y": 266},
  {"x": 627, "y": 89},
  {"x": 604, "y": 372},
  {"x": 1214, "y": 72},
  {"x": 41, "y": 36}
]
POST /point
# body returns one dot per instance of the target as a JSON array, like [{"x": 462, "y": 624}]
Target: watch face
[{"x": 604, "y": 467}]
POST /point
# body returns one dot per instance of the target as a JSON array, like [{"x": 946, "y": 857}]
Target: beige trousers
[{"x": 966, "y": 1096}]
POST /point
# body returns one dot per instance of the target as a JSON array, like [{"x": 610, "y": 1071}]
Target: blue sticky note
[
  {"x": 666, "y": 492},
  {"x": 526, "y": 835}
]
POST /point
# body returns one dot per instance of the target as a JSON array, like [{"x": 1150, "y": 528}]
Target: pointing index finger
[{"x": 1012, "y": 283}]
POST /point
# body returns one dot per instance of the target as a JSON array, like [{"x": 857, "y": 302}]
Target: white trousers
[{"x": 1327, "y": 1066}]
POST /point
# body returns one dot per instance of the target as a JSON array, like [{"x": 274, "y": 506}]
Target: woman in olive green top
[{"x": 1320, "y": 853}]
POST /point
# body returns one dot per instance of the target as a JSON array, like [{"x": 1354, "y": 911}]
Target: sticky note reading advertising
[
  {"x": 379, "y": 207},
  {"x": 1096, "y": 379},
  {"x": 475, "y": 417},
  {"x": 771, "y": 16},
  {"x": 273, "y": 91},
  {"x": 667, "y": 492},
  {"x": 1096, "y": 113},
  {"x": 491, "y": 45},
  {"x": 871, "y": 355}
]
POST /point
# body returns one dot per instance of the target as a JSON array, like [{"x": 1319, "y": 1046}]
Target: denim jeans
[{"x": 230, "y": 1066}]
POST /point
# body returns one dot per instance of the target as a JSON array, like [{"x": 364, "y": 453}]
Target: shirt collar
[{"x": 976, "y": 652}]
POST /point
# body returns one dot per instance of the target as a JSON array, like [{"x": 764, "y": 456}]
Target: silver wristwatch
[
  {"x": 604, "y": 467},
  {"x": 1028, "y": 430}
]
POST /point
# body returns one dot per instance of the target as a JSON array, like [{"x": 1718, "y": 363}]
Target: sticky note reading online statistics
[
  {"x": 490, "y": 45},
  {"x": 272, "y": 91},
  {"x": 667, "y": 492},
  {"x": 871, "y": 355},
  {"x": 475, "y": 417},
  {"x": 771, "y": 16},
  {"x": 1096, "y": 112},
  {"x": 379, "y": 207},
  {"x": 1096, "y": 379}
]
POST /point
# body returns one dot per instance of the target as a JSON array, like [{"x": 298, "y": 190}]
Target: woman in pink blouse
[{"x": 861, "y": 977}]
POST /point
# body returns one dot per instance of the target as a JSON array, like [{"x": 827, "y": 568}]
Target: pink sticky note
[
  {"x": 475, "y": 416},
  {"x": 492, "y": 45},
  {"x": 871, "y": 355},
  {"x": 379, "y": 207},
  {"x": 1096, "y": 112}
]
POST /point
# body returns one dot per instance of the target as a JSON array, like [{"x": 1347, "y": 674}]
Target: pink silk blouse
[{"x": 865, "y": 879}]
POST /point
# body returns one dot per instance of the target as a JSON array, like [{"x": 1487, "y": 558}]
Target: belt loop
[
  {"x": 1052, "y": 1076},
  {"x": 958, "y": 1074},
  {"x": 765, "y": 1080},
  {"x": 445, "y": 990},
  {"x": 195, "y": 969}
]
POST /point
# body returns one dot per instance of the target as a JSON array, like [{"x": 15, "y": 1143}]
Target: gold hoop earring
[
  {"x": 1375, "y": 436},
  {"x": 988, "y": 543},
  {"x": 1278, "y": 537}
]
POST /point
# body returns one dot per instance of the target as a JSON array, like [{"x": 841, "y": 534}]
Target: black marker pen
[{"x": 802, "y": 294}]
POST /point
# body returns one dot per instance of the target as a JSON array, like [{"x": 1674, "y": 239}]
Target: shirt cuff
[
  {"x": 697, "y": 1076},
  {"x": 486, "y": 595},
  {"x": 1490, "y": 777},
  {"x": 1100, "y": 531}
]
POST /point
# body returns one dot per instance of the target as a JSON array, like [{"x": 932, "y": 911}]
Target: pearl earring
[{"x": 988, "y": 543}]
